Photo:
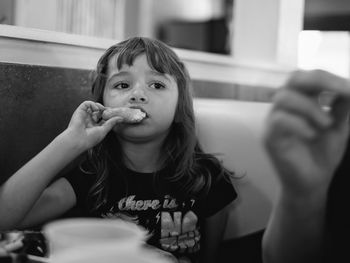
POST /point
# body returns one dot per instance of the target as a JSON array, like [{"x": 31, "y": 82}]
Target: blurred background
[
  {"x": 203, "y": 25},
  {"x": 191, "y": 24}
]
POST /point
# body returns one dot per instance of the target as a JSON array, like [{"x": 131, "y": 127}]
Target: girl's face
[{"x": 140, "y": 86}]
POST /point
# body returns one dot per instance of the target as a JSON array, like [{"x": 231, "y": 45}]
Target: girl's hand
[
  {"x": 304, "y": 140},
  {"x": 87, "y": 126}
]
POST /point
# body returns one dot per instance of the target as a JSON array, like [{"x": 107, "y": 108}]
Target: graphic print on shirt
[
  {"x": 179, "y": 232},
  {"x": 177, "y": 223}
]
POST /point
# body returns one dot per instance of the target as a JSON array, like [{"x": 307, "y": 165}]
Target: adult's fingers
[
  {"x": 316, "y": 81},
  {"x": 299, "y": 104},
  {"x": 340, "y": 112},
  {"x": 284, "y": 125}
]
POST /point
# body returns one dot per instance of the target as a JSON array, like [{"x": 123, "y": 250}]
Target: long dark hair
[{"x": 181, "y": 148}]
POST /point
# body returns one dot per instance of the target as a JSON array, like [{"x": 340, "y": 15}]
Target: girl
[{"x": 151, "y": 171}]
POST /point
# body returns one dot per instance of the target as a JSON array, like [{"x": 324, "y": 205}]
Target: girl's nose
[{"x": 138, "y": 96}]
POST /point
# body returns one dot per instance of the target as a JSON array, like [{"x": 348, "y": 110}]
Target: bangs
[{"x": 159, "y": 57}]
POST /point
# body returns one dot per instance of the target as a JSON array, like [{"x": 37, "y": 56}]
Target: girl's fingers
[
  {"x": 109, "y": 124},
  {"x": 298, "y": 104},
  {"x": 93, "y": 109},
  {"x": 98, "y": 108},
  {"x": 86, "y": 105},
  {"x": 96, "y": 116},
  {"x": 91, "y": 106}
]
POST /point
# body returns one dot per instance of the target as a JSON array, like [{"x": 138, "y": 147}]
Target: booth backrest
[
  {"x": 36, "y": 105},
  {"x": 232, "y": 130}
]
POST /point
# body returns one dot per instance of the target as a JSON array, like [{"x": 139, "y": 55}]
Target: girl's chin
[
  {"x": 127, "y": 126},
  {"x": 139, "y": 135},
  {"x": 133, "y": 132}
]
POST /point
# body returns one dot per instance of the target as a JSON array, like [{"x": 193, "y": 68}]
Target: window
[{"x": 328, "y": 50}]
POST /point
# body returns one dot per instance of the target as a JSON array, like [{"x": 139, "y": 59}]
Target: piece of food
[{"x": 129, "y": 115}]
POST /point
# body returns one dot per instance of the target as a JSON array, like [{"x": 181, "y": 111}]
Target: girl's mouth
[{"x": 141, "y": 109}]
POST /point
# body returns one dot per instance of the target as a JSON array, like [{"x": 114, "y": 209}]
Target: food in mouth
[{"x": 129, "y": 115}]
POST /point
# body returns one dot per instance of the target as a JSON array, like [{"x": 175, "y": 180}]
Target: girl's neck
[{"x": 142, "y": 157}]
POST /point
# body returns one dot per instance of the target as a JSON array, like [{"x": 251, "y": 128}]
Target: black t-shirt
[{"x": 173, "y": 223}]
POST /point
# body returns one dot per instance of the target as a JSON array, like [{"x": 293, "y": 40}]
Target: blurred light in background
[
  {"x": 328, "y": 50},
  {"x": 189, "y": 10}
]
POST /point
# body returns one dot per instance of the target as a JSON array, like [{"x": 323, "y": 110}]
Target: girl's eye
[
  {"x": 121, "y": 85},
  {"x": 158, "y": 85}
]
